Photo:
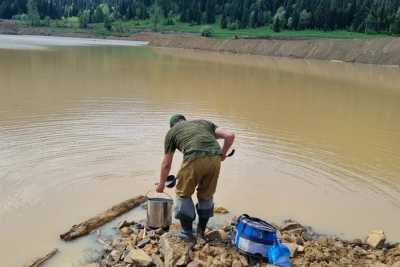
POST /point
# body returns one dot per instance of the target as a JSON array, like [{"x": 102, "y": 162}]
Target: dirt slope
[{"x": 385, "y": 51}]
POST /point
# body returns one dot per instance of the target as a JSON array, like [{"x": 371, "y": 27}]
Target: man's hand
[
  {"x": 160, "y": 188},
  {"x": 228, "y": 137}
]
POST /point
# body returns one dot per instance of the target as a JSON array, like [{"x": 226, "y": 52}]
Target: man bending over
[{"x": 202, "y": 156}]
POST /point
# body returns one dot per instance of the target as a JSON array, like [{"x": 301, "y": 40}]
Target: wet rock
[
  {"x": 290, "y": 226},
  {"x": 307, "y": 236},
  {"x": 140, "y": 257},
  {"x": 357, "y": 242},
  {"x": 143, "y": 243},
  {"x": 159, "y": 231},
  {"x": 360, "y": 251},
  {"x": 157, "y": 260},
  {"x": 125, "y": 223},
  {"x": 126, "y": 231},
  {"x": 226, "y": 259},
  {"x": 194, "y": 264},
  {"x": 139, "y": 225},
  {"x": 243, "y": 260},
  {"x": 227, "y": 228},
  {"x": 237, "y": 263},
  {"x": 151, "y": 234},
  {"x": 108, "y": 261},
  {"x": 118, "y": 243},
  {"x": 221, "y": 210},
  {"x": 172, "y": 248},
  {"x": 116, "y": 254},
  {"x": 376, "y": 239},
  {"x": 133, "y": 239},
  {"x": 182, "y": 261},
  {"x": 216, "y": 236},
  {"x": 377, "y": 264}
]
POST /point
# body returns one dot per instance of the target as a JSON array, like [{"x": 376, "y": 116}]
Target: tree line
[{"x": 327, "y": 15}]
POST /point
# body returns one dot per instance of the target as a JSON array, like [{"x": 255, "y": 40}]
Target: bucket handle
[{"x": 147, "y": 193}]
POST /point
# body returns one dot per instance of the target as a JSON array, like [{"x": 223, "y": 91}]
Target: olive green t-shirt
[{"x": 193, "y": 138}]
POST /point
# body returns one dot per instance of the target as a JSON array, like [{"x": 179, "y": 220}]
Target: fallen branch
[
  {"x": 101, "y": 219},
  {"x": 42, "y": 260}
]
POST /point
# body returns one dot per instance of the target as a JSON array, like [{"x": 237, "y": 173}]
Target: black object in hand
[{"x": 171, "y": 181}]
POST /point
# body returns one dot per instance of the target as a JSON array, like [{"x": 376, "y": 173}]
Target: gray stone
[
  {"x": 140, "y": 257},
  {"x": 360, "y": 251},
  {"x": 307, "y": 236},
  {"x": 143, "y": 243},
  {"x": 159, "y": 231},
  {"x": 116, "y": 254},
  {"x": 378, "y": 264},
  {"x": 183, "y": 261},
  {"x": 92, "y": 265},
  {"x": 126, "y": 231},
  {"x": 290, "y": 226},
  {"x": 300, "y": 248},
  {"x": 157, "y": 260},
  {"x": 172, "y": 249},
  {"x": 237, "y": 263},
  {"x": 194, "y": 264},
  {"x": 125, "y": 223},
  {"x": 216, "y": 235},
  {"x": 376, "y": 239},
  {"x": 243, "y": 260},
  {"x": 118, "y": 243}
]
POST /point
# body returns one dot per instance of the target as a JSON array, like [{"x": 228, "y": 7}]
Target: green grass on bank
[
  {"x": 125, "y": 28},
  {"x": 262, "y": 32}
]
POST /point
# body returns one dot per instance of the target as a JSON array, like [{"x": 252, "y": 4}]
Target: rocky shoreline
[{"x": 134, "y": 245}]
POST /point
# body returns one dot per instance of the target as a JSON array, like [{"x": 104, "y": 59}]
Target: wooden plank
[
  {"x": 42, "y": 260},
  {"x": 101, "y": 219}
]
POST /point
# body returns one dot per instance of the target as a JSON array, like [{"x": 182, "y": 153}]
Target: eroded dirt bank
[{"x": 384, "y": 51}]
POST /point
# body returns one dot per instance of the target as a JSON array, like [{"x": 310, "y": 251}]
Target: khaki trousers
[{"x": 201, "y": 173}]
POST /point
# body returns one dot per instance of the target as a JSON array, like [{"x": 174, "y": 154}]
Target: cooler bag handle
[{"x": 256, "y": 220}]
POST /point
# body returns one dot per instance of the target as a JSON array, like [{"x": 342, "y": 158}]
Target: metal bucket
[{"x": 159, "y": 211}]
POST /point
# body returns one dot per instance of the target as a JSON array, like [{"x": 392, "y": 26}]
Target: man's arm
[
  {"x": 228, "y": 137},
  {"x": 165, "y": 169}
]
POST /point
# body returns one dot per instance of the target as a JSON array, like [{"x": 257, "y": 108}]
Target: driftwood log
[
  {"x": 101, "y": 219},
  {"x": 42, "y": 260}
]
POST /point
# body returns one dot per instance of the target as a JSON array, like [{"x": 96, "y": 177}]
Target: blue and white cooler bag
[{"x": 254, "y": 236}]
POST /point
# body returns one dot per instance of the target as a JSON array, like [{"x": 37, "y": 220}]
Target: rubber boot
[
  {"x": 187, "y": 229},
  {"x": 201, "y": 226},
  {"x": 205, "y": 212},
  {"x": 185, "y": 213}
]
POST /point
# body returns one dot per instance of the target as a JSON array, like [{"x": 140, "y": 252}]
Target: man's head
[{"x": 175, "y": 119}]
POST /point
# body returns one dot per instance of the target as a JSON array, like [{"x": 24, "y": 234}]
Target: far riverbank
[{"x": 381, "y": 51}]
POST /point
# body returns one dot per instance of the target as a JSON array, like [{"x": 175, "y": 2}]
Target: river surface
[{"x": 82, "y": 128}]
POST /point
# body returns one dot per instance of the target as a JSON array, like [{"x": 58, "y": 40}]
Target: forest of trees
[{"x": 327, "y": 15}]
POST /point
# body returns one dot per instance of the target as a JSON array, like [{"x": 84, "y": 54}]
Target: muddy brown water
[{"x": 81, "y": 128}]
